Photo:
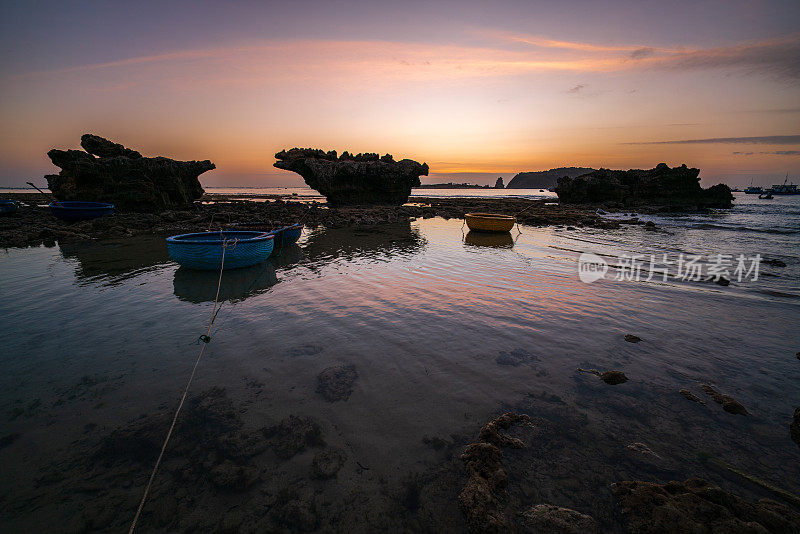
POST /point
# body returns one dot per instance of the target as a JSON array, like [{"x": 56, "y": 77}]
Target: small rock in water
[
  {"x": 729, "y": 404},
  {"x": 326, "y": 464},
  {"x": 609, "y": 377},
  {"x": 630, "y": 338},
  {"x": 642, "y": 448},
  {"x": 557, "y": 520},
  {"x": 613, "y": 377},
  {"x": 691, "y": 396},
  {"x": 794, "y": 427},
  {"x": 336, "y": 383},
  {"x": 774, "y": 262}
]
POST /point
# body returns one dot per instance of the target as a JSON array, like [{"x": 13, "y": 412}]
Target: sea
[{"x": 382, "y": 351}]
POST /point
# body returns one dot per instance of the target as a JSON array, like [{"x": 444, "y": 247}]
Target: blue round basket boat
[
  {"x": 73, "y": 210},
  {"x": 203, "y": 250},
  {"x": 286, "y": 235},
  {"x": 7, "y": 207}
]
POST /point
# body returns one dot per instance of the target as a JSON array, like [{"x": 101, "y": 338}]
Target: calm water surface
[{"x": 444, "y": 331}]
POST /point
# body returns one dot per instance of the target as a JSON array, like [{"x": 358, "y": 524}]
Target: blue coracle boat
[
  {"x": 284, "y": 235},
  {"x": 203, "y": 250},
  {"x": 287, "y": 235},
  {"x": 73, "y": 210},
  {"x": 7, "y": 207}
]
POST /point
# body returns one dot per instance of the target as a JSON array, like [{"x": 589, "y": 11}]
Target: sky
[{"x": 475, "y": 89}]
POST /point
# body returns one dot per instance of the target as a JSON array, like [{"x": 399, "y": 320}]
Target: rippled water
[{"x": 444, "y": 331}]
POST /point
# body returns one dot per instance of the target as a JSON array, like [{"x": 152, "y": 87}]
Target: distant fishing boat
[
  {"x": 203, "y": 250},
  {"x": 490, "y": 222},
  {"x": 784, "y": 188},
  {"x": 72, "y": 211},
  {"x": 8, "y": 207},
  {"x": 753, "y": 190}
]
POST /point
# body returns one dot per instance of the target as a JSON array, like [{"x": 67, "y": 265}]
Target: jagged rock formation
[
  {"x": 545, "y": 179},
  {"x": 481, "y": 500},
  {"x": 109, "y": 172},
  {"x": 662, "y": 185},
  {"x": 353, "y": 180},
  {"x": 499, "y": 183},
  {"x": 698, "y": 506}
]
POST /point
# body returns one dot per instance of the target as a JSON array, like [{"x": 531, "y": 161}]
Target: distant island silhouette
[{"x": 545, "y": 179}]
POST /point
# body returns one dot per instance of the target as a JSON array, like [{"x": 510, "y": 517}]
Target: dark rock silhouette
[
  {"x": 698, "y": 506},
  {"x": 662, "y": 185},
  {"x": 354, "y": 180},
  {"x": 499, "y": 183},
  {"x": 545, "y": 179},
  {"x": 109, "y": 172}
]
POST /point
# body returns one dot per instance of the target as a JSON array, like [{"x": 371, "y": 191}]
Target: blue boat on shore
[
  {"x": 284, "y": 235},
  {"x": 73, "y": 210},
  {"x": 8, "y": 207},
  {"x": 203, "y": 250},
  {"x": 287, "y": 235}
]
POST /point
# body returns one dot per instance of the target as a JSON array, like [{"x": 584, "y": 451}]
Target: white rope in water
[{"x": 185, "y": 391}]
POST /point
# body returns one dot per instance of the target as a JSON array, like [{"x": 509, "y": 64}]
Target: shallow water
[{"x": 444, "y": 331}]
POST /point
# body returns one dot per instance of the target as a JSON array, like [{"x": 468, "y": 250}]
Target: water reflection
[
  {"x": 114, "y": 261},
  {"x": 485, "y": 239},
  {"x": 380, "y": 241},
  {"x": 237, "y": 284}
]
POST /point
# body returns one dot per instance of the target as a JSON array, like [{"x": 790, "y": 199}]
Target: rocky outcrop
[
  {"x": 545, "y": 179},
  {"x": 354, "y": 180},
  {"x": 499, "y": 183},
  {"x": 108, "y": 172},
  {"x": 662, "y": 185},
  {"x": 482, "y": 498},
  {"x": 698, "y": 506}
]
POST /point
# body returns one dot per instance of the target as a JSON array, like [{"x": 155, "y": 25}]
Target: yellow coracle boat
[{"x": 490, "y": 222}]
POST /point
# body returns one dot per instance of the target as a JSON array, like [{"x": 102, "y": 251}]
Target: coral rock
[
  {"x": 729, "y": 404},
  {"x": 662, "y": 185},
  {"x": 109, "y": 172},
  {"x": 480, "y": 500},
  {"x": 698, "y": 506},
  {"x": 354, "y": 180},
  {"x": 549, "y": 519}
]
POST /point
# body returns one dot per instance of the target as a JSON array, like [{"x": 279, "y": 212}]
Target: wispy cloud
[
  {"x": 774, "y": 153},
  {"x": 764, "y": 140},
  {"x": 384, "y": 60}
]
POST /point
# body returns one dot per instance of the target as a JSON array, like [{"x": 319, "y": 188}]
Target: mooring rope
[{"x": 205, "y": 339}]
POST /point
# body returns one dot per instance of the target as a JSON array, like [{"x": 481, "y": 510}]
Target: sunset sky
[{"x": 475, "y": 89}]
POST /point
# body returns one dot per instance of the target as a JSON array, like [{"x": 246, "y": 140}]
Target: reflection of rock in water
[
  {"x": 381, "y": 239},
  {"x": 237, "y": 284},
  {"x": 286, "y": 257},
  {"x": 114, "y": 261},
  {"x": 486, "y": 239}
]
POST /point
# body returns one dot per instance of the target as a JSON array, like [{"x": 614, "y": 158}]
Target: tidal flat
[{"x": 346, "y": 377}]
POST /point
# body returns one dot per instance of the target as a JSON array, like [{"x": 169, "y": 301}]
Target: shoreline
[{"x": 33, "y": 225}]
